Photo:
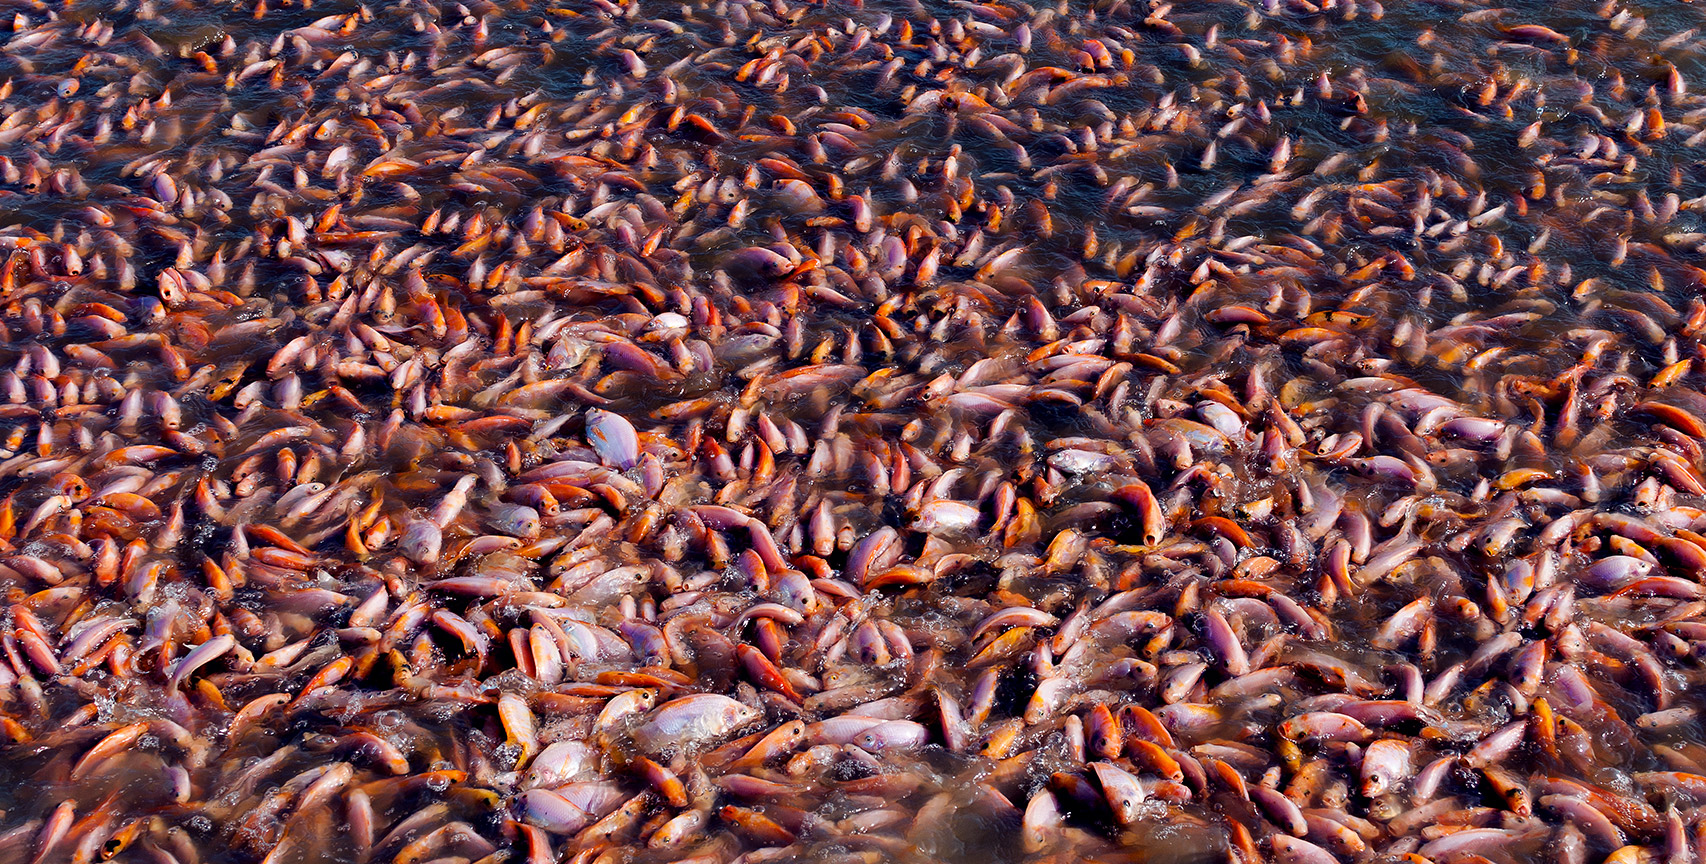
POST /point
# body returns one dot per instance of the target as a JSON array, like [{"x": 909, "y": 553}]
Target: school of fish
[{"x": 627, "y": 432}]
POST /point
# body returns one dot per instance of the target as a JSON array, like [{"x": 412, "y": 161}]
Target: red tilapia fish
[{"x": 861, "y": 431}]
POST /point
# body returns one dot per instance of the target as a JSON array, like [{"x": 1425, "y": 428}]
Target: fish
[{"x": 743, "y": 431}]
